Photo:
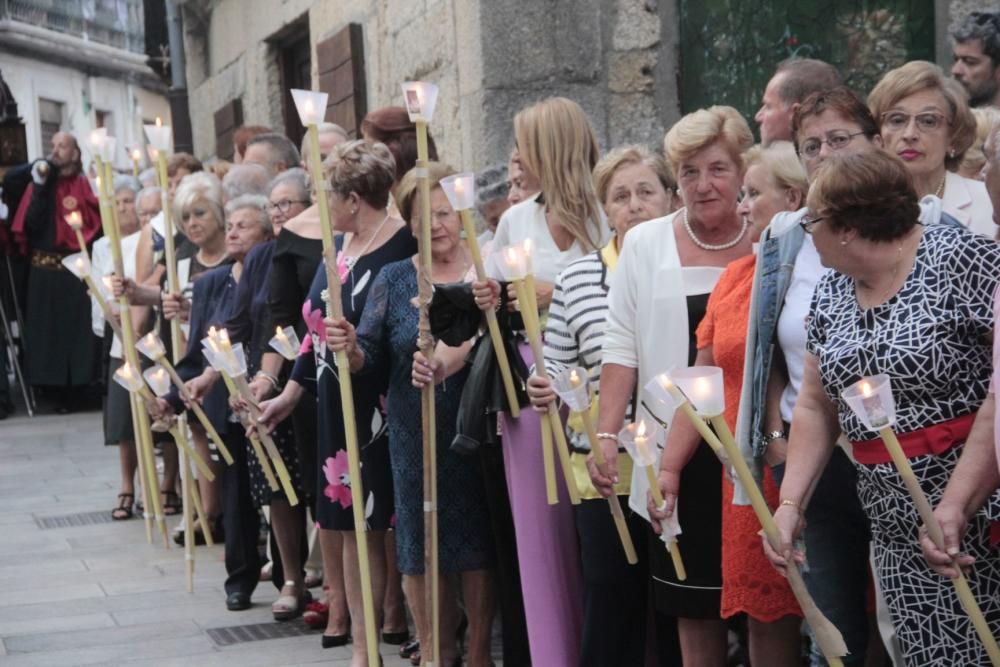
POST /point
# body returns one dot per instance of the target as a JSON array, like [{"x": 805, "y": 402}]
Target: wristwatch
[{"x": 774, "y": 435}]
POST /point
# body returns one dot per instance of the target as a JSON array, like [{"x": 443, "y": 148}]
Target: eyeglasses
[
  {"x": 927, "y": 121},
  {"x": 809, "y": 222},
  {"x": 285, "y": 205},
  {"x": 836, "y": 140}
]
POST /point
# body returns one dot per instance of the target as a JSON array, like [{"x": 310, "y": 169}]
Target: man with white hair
[
  {"x": 248, "y": 178},
  {"x": 274, "y": 151}
]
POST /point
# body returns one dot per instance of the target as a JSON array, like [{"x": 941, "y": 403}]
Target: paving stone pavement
[{"x": 100, "y": 594}]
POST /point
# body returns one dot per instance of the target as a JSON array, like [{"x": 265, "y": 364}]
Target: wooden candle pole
[
  {"x": 128, "y": 348},
  {"x": 258, "y": 451},
  {"x": 335, "y": 309},
  {"x": 654, "y": 490},
  {"x": 425, "y": 341},
  {"x": 491, "y": 317}
]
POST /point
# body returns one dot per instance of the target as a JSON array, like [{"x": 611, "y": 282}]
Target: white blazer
[{"x": 966, "y": 200}]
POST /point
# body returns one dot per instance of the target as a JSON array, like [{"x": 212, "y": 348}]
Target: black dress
[
  {"x": 293, "y": 266},
  {"x": 315, "y": 369},
  {"x": 700, "y": 517}
]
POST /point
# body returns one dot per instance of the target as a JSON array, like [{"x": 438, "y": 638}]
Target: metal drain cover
[
  {"x": 255, "y": 632},
  {"x": 74, "y": 520}
]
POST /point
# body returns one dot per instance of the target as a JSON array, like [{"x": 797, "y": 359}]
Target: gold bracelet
[{"x": 791, "y": 503}]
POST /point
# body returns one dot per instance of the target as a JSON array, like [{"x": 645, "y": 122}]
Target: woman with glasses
[
  {"x": 913, "y": 301},
  {"x": 925, "y": 120},
  {"x": 288, "y": 195},
  {"x": 833, "y": 122}
]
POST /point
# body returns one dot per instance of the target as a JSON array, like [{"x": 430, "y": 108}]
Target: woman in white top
[
  {"x": 924, "y": 118},
  {"x": 556, "y": 143},
  {"x": 658, "y": 296}
]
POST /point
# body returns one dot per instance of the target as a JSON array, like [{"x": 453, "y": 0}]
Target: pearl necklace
[
  {"x": 713, "y": 246},
  {"x": 350, "y": 261},
  {"x": 939, "y": 193}
]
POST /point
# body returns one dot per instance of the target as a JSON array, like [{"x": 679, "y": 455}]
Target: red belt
[{"x": 934, "y": 440}]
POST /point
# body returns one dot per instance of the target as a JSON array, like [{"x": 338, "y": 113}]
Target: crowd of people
[{"x": 857, "y": 238}]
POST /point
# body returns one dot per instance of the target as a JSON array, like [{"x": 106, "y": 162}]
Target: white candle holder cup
[
  {"x": 151, "y": 347},
  {"x": 159, "y": 136},
  {"x": 211, "y": 356},
  {"x": 663, "y": 402},
  {"x": 74, "y": 220},
  {"x": 78, "y": 265},
  {"x": 239, "y": 360},
  {"x": 157, "y": 379},
  {"x": 95, "y": 142},
  {"x": 572, "y": 386},
  {"x": 108, "y": 152},
  {"x": 639, "y": 439},
  {"x": 460, "y": 190},
  {"x": 286, "y": 343},
  {"x": 871, "y": 400},
  {"x": 513, "y": 262},
  {"x": 310, "y": 105},
  {"x": 420, "y": 99},
  {"x": 127, "y": 377},
  {"x": 703, "y": 387}
]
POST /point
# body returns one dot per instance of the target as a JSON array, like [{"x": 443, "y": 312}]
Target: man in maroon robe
[{"x": 61, "y": 351}]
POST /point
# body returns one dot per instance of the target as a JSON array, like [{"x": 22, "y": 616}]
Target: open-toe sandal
[
  {"x": 171, "y": 504},
  {"x": 124, "y": 509},
  {"x": 288, "y": 605}
]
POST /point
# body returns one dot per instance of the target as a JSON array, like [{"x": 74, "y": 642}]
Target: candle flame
[
  {"x": 665, "y": 381},
  {"x": 97, "y": 179},
  {"x": 702, "y": 386},
  {"x": 640, "y": 429},
  {"x": 224, "y": 336},
  {"x": 73, "y": 218},
  {"x": 136, "y": 154},
  {"x": 574, "y": 378},
  {"x": 212, "y": 333},
  {"x": 107, "y": 281},
  {"x": 154, "y": 154},
  {"x": 159, "y": 123},
  {"x": 79, "y": 264},
  {"x": 528, "y": 247},
  {"x": 511, "y": 254},
  {"x": 279, "y": 333},
  {"x": 308, "y": 107},
  {"x": 866, "y": 389},
  {"x": 459, "y": 187}
]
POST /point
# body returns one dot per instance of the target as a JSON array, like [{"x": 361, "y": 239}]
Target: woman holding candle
[
  {"x": 925, "y": 119},
  {"x": 360, "y": 175},
  {"x": 556, "y": 141},
  {"x": 634, "y": 186},
  {"x": 913, "y": 301},
  {"x": 774, "y": 181},
  {"x": 658, "y": 295},
  {"x": 386, "y": 341}
]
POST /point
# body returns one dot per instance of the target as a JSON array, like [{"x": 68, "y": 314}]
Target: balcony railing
[{"x": 117, "y": 23}]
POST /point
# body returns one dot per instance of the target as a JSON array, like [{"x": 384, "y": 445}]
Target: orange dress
[{"x": 749, "y": 584}]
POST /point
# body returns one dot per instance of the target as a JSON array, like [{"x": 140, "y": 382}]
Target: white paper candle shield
[
  {"x": 664, "y": 398},
  {"x": 108, "y": 150},
  {"x": 127, "y": 377},
  {"x": 151, "y": 346},
  {"x": 513, "y": 263},
  {"x": 239, "y": 360},
  {"x": 871, "y": 399},
  {"x": 460, "y": 190},
  {"x": 96, "y": 141},
  {"x": 420, "y": 98},
  {"x": 573, "y": 388},
  {"x": 77, "y": 264},
  {"x": 213, "y": 359},
  {"x": 639, "y": 440},
  {"x": 703, "y": 387},
  {"x": 157, "y": 379},
  {"x": 310, "y": 104},
  {"x": 158, "y": 136},
  {"x": 285, "y": 342}
]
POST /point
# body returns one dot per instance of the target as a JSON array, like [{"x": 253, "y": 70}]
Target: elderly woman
[
  {"x": 634, "y": 186},
  {"x": 914, "y": 302},
  {"x": 787, "y": 270},
  {"x": 360, "y": 175},
  {"x": 658, "y": 296},
  {"x": 774, "y": 181},
  {"x": 554, "y": 139},
  {"x": 924, "y": 118},
  {"x": 288, "y": 195},
  {"x": 386, "y": 340}
]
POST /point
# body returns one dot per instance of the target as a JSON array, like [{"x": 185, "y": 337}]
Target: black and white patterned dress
[{"x": 933, "y": 339}]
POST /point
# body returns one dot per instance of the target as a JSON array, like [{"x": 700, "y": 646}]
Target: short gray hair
[
  {"x": 280, "y": 147},
  {"x": 296, "y": 177},
  {"x": 253, "y": 202},
  {"x": 123, "y": 182},
  {"x": 491, "y": 184},
  {"x": 146, "y": 192},
  {"x": 245, "y": 179},
  {"x": 148, "y": 177},
  {"x": 324, "y": 128}
]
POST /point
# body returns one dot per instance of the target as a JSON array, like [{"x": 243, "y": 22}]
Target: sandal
[
  {"x": 124, "y": 510},
  {"x": 409, "y": 648},
  {"x": 288, "y": 605},
  {"x": 171, "y": 503}
]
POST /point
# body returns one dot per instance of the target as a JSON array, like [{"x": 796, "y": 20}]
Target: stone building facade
[{"x": 620, "y": 59}]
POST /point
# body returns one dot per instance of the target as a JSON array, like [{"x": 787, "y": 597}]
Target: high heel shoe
[{"x": 332, "y": 641}]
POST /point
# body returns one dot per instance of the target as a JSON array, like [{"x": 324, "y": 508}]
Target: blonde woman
[
  {"x": 925, "y": 120},
  {"x": 556, "y": 144},
  {"x": 971, "y": 166},
  {"x": 658, "y": 295}
]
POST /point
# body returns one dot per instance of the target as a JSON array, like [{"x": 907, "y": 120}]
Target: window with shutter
[
  {"x": 340, "y": 61},
  {"x": 227, "y": 119}
]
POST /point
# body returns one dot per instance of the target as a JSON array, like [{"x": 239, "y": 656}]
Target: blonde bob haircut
[
  {"x": 406, "y": 191},
  {"x": 782, "y": 165},
  {"x": 699, "y": 129},
  {"x": 364, "y": 168},
  {"x": 987, "y": 119},
  {"x": 918, "y": 76},
  {"x": 199, "y": 186},
  {"x": 626, "y": 156},
  {"x": 557, "y": 144}
]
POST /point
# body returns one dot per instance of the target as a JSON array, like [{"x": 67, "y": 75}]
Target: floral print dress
[{"x": 316, "y": 370}]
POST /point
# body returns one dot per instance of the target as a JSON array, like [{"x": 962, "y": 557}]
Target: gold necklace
[{"x": 939, "y": 193}]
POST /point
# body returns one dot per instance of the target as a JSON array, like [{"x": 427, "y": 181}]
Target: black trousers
[{"x": 240, "y": 519}]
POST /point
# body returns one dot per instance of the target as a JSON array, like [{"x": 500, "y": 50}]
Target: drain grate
[
  {"x": 255, "y": 632},
  {"x": 74, "y": 520}
]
